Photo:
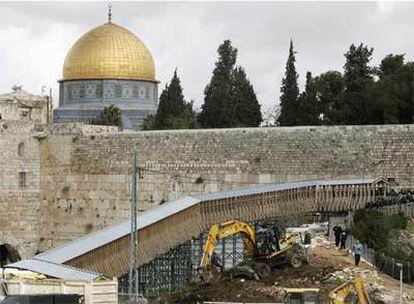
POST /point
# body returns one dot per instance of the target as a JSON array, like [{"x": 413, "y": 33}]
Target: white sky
[{"x": 35, "y": 37}]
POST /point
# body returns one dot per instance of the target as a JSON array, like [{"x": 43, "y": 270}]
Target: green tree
[
  {"x": 376, "y": 229},
  {"x": 290, "y": 92},
  {"x": 148, "y": 123},
  {"x": 246, "y": 108},
  {"x": 173, "y": 111},
  {"x": 330, "y": 88},
  {"x": 358, "y": 78},
  {"x": 217, "y": 110},
  {"x": 229, "y": 98},
  {"x": 308, "y": 108},
  {"x": 391, "y": 98},
  {"x": 110, "y": 116}
]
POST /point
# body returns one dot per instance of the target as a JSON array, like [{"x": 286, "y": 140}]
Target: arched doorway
[{"x": 8, "y": 254}]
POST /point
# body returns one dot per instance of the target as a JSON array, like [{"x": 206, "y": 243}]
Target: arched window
[{"x": 21, "y": 149}]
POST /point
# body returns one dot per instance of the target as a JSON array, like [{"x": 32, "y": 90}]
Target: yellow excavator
[
  {"x": 263, "y": 250},
  {"x": 339, "y": 295}
]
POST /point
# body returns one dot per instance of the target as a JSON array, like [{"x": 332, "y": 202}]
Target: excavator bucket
[{"x": 301, "y": 296}]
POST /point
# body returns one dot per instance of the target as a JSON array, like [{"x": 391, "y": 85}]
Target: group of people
[
  {"x": 340, "y": 236},
  {"x": 393, "y": 198}
]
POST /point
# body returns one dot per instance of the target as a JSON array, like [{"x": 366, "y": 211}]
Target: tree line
[
  {"x": 361, "y": 94},
  {"x": 229, "y": 99}
]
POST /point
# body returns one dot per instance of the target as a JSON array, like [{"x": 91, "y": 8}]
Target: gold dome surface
[{"x": 106, "y": 52}]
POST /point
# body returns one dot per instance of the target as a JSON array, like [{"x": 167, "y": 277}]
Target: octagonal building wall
[{"x": 84, "y": 100}]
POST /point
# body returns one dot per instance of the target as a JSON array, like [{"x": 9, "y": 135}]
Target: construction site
[
  {"x": 328, "y": 270},
  {"x": 238, "y": 246},
  {"x": 111, "y": 193}
]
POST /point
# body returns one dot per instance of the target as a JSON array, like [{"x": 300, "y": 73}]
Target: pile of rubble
[
  {"x": 374, "y": 283},
  {"x": 321, "y": 240}
]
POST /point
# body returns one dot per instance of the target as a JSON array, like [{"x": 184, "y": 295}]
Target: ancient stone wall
[
  {"x": 84, "y": 179},
  {"x": 19, "y": 187}
]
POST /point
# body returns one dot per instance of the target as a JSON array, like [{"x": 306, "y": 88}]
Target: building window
[
  {"x": 22, "y": 179},
  {"x": 118, "y": 91},
  {"x": 21, "y": 149},
  {"x": 25, "y": 114},
  {"x": 147, "y": 92}
]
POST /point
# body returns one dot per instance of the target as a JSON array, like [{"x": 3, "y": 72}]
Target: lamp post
[{"x": 401, "y": 281}]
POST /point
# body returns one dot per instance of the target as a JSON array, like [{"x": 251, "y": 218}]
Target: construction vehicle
[
  {"x": 338, "y": 295},
  {"x": 263, "y": 250}
]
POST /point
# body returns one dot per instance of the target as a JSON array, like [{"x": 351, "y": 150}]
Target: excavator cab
[{"x": 263, "y": 250}]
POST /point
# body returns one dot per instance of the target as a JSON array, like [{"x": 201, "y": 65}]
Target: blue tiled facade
[{"x": 81, "y": 100}]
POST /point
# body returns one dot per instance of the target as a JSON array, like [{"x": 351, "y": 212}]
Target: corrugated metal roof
[
  {"x": 55, "y": 270},
  {"x": 266, "y": 188},
  {"x": 99, "y": 238}
]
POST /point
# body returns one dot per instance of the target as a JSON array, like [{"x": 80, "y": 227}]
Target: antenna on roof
[
  {"x": 17, "y": 88},
  {"x": 110, "y": 12}
]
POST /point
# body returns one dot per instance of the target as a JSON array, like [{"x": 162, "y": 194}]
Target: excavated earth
[{"x": 328, "y": 268}]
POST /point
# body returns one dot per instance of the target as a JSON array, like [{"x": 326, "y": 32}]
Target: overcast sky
[{"x": 35, "y": 37}]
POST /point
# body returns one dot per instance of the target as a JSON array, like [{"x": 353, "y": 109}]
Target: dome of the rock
[{"x": 109, "y": 51}]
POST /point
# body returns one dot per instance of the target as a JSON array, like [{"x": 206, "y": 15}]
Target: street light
[{"x": 401, "y": 281}]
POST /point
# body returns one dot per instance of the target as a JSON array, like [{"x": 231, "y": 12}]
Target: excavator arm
[
  {"x": 339, "y": 294},
  {"x": 224, "y": 230},
  {"x": 336, "y": 296}
]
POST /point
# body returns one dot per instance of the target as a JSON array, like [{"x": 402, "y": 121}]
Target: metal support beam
[{"x": 133, "y": 270}]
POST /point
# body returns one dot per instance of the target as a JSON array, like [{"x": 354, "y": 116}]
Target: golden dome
[{"x": 106, "y": 52}]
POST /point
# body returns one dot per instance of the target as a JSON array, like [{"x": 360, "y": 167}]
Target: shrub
[
  {"x": 375, "y": 229},
  {"x": 398, "y": 221}
]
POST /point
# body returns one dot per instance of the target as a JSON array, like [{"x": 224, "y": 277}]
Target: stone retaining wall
[{"x": 82, "y": 174}]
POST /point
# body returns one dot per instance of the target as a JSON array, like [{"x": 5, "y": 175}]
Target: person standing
[
  {"x": 344, "y": 236},
  {"x": 337, "y": 232},
  {"x": 357, "y": 249}
]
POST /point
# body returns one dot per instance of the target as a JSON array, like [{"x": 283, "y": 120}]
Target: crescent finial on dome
[{"x": 110, "y": 12}]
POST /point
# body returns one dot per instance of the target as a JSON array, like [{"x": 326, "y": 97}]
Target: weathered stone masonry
[
  {"x": 19, "y": 206},
  {"x": 79, "y": 176}
]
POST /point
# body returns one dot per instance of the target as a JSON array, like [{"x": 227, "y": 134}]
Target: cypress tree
[
  {"x": 229, "y": 98},
  {"x": 308, "y": 109},
  {"x": 358, "y": 79},
  {"x": 246, "y": 108},
  {"x": 290, "y": 92},
  {"x": 173, "y": 111},
  {"x": 216, "y": 112}
]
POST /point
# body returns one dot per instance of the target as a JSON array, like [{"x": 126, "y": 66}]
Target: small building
[
  {"x": 38, "y": 277},
  {"x": 24, "y": 106}
]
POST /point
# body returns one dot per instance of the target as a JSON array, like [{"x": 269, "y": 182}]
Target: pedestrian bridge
[{"x": 172, "y": 224}]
